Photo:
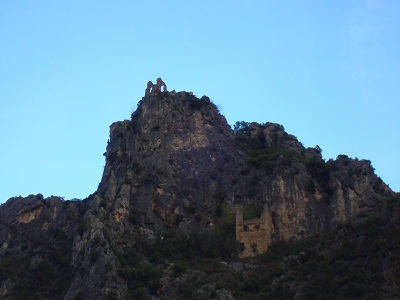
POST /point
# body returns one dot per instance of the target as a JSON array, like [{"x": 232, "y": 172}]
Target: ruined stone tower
[{"x": 254, "y": 235}]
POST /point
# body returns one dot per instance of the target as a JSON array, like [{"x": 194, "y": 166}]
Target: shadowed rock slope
[{"x": 164, "y": 209}]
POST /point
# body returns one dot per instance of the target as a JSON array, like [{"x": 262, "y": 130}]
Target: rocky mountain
[{"x": 162, "y": 223}]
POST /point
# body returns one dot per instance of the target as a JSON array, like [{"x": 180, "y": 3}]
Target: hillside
[{"x": 163, "y": 223}]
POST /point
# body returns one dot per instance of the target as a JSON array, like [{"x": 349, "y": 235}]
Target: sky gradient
[{"x": 328, "y": 71}]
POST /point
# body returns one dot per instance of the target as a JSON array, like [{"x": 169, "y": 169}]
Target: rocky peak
[
  {"x": 170, "y": 160},
  {"x": 177, "y": 162}
]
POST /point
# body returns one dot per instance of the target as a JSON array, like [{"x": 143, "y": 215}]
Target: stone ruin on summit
[{"x": 158, "y": 87}]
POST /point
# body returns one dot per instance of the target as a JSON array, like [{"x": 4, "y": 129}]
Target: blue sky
[{"x": 328, "y": 71}]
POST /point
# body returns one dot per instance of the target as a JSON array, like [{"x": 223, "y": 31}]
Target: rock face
[
  {"x": 177, "y": 166},
  {"x": 36, "y": 234},
  {"x": 303, "y": 194},
  {"x": 175, "y": 159}
]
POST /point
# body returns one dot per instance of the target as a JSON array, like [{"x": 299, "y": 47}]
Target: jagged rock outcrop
[
  {"x": 304, "y": 194},
  {"x": 175, "y": 159},
  {"x": 36, "y": 236},
  {"x": 177, "y": 162},
  {"x": 177, "y": 168}
]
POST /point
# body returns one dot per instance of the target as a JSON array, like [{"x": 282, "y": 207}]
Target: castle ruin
[
  {"x": 254, "y": 235},
  {"x": 154, "y": 89}
]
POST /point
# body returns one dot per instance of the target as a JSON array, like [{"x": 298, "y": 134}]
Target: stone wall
[{"x": 254, "y": 235}]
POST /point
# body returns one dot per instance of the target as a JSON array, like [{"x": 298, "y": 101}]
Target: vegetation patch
[
  {"x": 259, "y": 154},
  {"x": 49, "y": 276}
]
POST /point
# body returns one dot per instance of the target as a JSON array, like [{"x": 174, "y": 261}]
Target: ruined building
[
  {"x": 154, "y": 89},
  {"x": 254, "y": 235}
]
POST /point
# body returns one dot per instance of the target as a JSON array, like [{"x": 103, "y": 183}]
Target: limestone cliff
[
  {"x": 176, "y": 157},
  {"x": 177, "y": 161},
  {"x": 178, "y": 169}
]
